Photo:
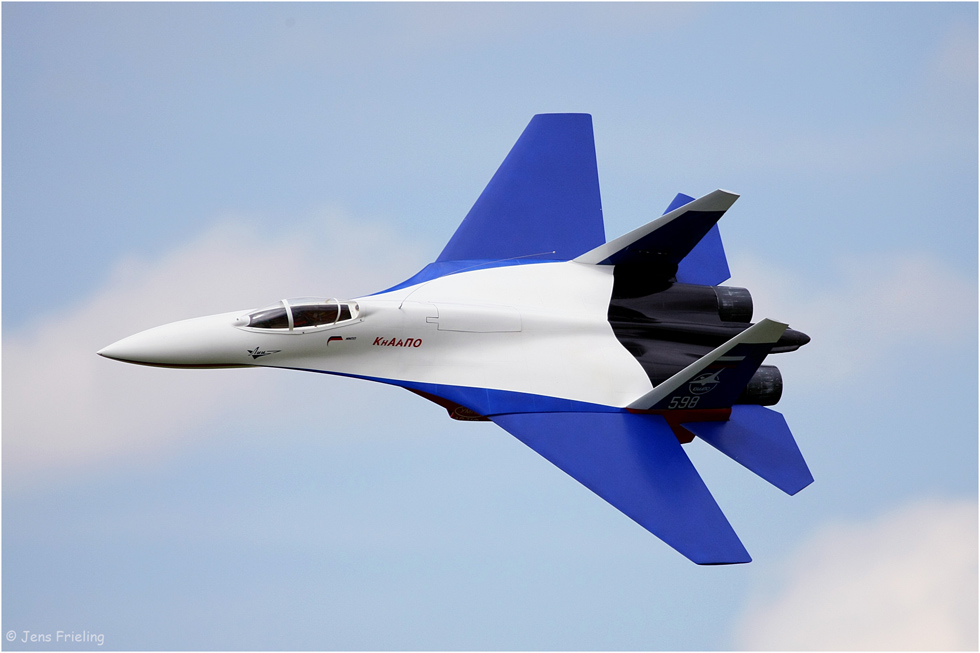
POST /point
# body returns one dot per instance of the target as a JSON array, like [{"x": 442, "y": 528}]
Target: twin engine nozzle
[{"x": 662, "y": 329}]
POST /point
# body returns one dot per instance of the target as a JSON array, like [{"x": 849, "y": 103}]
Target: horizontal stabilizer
[
  {"x": 758, "y": 439},
  {"x": 666, "y": 240},
  {"x": 543, "y": 201},
  {"x": 707, "y": 264},
  {"x": 636, "y": 464},
  {"x": 717, "y": 379}
]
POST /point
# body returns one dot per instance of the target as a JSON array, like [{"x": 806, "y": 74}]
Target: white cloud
[
  {"x": 64, "y": 406},
  {"x": 907, "y": 581},
  {"x": 875, "y": 308}
]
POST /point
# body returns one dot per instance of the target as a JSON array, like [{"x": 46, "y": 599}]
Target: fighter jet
[{"x": 603, "y": 357}]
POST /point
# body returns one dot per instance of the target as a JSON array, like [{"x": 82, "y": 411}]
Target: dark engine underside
[{"x": 667, "y": 326}]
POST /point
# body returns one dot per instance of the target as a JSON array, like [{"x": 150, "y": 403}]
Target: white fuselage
[{"x": 539, "y": 329}]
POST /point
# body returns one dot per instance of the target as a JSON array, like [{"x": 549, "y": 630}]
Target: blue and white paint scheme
[{"x": 604, "y": 357}]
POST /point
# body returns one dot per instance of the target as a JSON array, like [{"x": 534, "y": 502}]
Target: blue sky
[{"x": 162, "y": 161}]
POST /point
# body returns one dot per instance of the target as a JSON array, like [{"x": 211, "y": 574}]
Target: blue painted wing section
[
  {"x": 486, "y": 401},
  {"x": 445, "y": 268},
  {"x": 758, "y": 439},
  {"x": 636, "y": 464},
  {"x": 544, "y": 198}
]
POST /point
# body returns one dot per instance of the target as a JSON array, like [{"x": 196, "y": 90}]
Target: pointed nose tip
[
  {"x": 133, "y": 349},
  {"x": 115, "y": 352},
  {"x": 201, "y": 342}
]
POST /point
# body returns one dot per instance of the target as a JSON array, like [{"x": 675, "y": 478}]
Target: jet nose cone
[
  {"x": 115, "y": 351},
  {"x": 201, "y": 342}
]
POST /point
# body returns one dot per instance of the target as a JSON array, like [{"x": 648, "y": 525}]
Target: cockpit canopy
[{"x": 300, "y": 313}]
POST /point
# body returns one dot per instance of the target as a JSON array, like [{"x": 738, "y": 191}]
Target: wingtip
[
  {"x": 563, "y": 113},
  {"x": 732, "y": 552},
  {"x": 764, "y": 331},
  {"x": 747, "y": 560},
  {"x": 735, "y": 554},
  {"x": 720, "y": 200}
]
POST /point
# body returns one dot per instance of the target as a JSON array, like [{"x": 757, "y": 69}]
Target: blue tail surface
[
  {"x": 758, "y": 439},
  {"x": 636, "y": 464}
]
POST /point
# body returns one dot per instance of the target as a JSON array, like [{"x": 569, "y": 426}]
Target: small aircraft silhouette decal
[
  {"x": 705, "y": 383},
  {"x": 258, "y": 352}
]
